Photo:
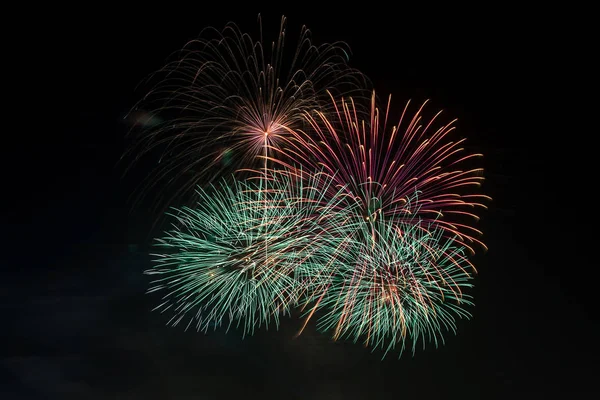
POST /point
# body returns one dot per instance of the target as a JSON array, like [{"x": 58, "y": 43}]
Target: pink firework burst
[{"x": 381, "y": 167}]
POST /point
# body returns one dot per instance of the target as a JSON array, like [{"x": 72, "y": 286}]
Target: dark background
[{"x": 77, "y": 323}]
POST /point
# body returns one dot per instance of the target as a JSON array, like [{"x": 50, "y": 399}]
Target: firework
[
  {"x": 227, "y": 100},
  {"x": 235, "y": 258},
  {"x": 381, "y": 168},
  {"x": 404, "y": 287}
]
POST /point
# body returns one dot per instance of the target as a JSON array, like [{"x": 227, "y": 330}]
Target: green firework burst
[
  {"x": 395, "y": 285},
  {"x": 236, "y": 257}
]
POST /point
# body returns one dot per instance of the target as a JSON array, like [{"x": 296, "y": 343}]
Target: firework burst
[
  {"x": 234, "y": 259},
  {"x": 227, "y": 99},
  {"x": 381, "y": 167},
  {"x": 402, "y": 288}
]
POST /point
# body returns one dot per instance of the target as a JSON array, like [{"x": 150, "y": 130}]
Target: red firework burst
[{"x": 381, "y": 167}]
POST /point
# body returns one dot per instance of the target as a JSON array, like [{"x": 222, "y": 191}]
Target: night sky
[{"x": 79, "y": 324}]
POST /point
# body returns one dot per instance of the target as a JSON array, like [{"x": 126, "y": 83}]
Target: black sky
[{"x": 79, "y": 324}]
